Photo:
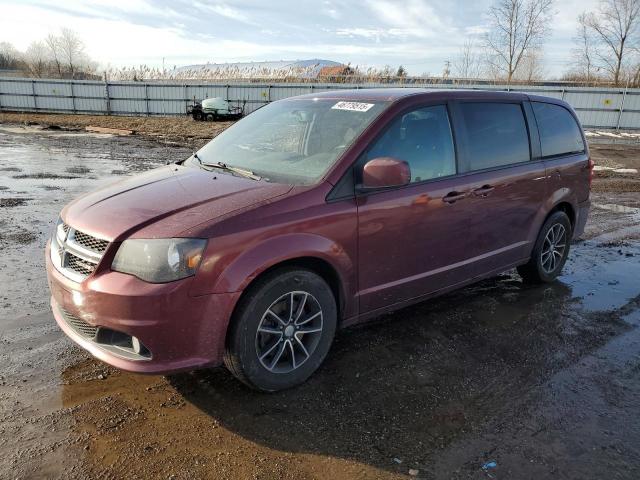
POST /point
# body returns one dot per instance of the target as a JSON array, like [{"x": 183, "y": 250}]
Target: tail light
[{"x": 591, "y": 164}]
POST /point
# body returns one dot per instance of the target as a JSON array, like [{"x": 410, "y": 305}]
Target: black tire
[
  {"x": 197, "y": 116},
  {"x": 537, "y": 271},
  {"x": 246, "y": 347},
  {"x": 209, "y": 117}
]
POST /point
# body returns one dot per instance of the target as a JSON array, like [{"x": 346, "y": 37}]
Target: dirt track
[
  {"x": 182, "y": 130},
  {"x": 542, "y": 380}
]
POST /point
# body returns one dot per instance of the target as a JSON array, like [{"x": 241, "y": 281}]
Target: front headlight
[{"x": 159, "y": 260}]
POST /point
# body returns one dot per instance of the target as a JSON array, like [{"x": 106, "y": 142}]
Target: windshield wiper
[{"x": 240, "y": 171}]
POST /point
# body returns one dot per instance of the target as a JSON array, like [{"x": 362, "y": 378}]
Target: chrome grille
[
  {"x": 92, "y": 243},
  {"x": 74, "y": 253},
  {"x": 83, "y": 328},
  {"x": 79, "y": 265}
]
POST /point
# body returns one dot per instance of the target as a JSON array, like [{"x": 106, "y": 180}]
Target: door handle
[
  {"x": 484, "y": 190},
  {"x": 453, "y": 197}
]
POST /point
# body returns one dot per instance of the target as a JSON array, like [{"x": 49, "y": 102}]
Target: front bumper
[{"x": 181, "y": 332}]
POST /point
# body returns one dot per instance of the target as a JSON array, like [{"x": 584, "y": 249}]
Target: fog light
[
  {"x": 78, "y": 298},
  {"x": 135, "y": 344}
]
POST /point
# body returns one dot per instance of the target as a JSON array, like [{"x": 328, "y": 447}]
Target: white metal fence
[{"x": 606, "y": 108}]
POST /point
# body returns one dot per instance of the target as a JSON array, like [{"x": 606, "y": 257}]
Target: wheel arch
[
  {"x": 312, "y": 263},
  {"x": 319, "y": 254},
  {"x": 561, "y": 200},
  {"x": 566, "y": 207}
]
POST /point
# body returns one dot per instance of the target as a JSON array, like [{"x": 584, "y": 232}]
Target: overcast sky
[{"x": 420, "y": 34}]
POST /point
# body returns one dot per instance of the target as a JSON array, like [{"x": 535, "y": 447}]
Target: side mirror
[{"x": 385, "y": 172}]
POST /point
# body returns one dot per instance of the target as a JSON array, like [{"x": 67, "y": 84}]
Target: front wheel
[
  {"x": 282, "y": 330},
  {"x": 550, "y": 251}
]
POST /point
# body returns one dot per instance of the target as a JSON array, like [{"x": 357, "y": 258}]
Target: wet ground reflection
[{"x": 493, "y": 371}]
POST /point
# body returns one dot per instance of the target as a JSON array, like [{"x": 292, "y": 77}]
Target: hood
[{"x": 164, "y": 202}]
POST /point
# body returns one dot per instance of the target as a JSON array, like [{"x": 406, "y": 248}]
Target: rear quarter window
[
  {"x": 559, "y": 131},
  {"x": 496, "y": 134}
]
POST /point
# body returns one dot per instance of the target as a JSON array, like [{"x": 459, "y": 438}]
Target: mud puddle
[
  {"x": 540, "y": 381},
  {"x": 13, "y": 202},
  {"x": 604, "y": 279},
  {"x": 41, "y": 171},
  {"x": 45, "y": 176},
  {"x": 500, "y": 371}
]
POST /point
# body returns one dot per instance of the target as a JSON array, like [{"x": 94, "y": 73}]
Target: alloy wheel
[
  {"x": 553, "y": 248},
  {"x": 289, "y": 332}
]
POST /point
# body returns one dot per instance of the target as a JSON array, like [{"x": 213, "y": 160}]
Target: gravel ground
[
  {"x": 183, "y": 130},
  {"x": 617, "y": 155},
  {"x": 543, "y": 381}
]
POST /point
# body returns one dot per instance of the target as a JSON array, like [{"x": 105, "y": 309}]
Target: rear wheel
[
  {"x": 282, "y": 330},
  {"x": 550, "y": 251},
  {"x": 210, "y": 117}
]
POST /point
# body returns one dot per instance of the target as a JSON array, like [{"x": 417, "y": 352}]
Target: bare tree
[
  {"x": 52, "y": 42},
  {"x": 585, "y": 54},
  {"x": 531, "y": 67},
  {"x": 67, "y": 54},
  {"x": 615, "y": 25},
  {"x": 72, "y": 51},
  {"x": 9, "y": 56},
  {"x": 37, "y": 59},
  {"x": 468, "y": 63},
  {"x": 516, "y": 27}
]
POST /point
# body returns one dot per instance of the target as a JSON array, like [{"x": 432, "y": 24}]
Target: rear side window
[
  {"x": 423, "y": 139},
  {"x": 559, "y": 131},
  {"x": 496, "y": 134}
]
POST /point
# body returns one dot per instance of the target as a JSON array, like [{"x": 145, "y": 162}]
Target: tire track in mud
[{"x": 531, "y": 377}]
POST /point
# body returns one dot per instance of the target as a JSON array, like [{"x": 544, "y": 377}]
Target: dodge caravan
[{"x": 315, "y": 213}]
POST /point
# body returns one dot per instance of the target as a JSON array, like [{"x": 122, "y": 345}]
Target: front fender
[
  {"x": 235, "y": 274},
  {"x": 273, "y": 251}
]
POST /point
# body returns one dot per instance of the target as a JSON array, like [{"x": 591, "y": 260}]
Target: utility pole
[{"x": 447, "y": 69}]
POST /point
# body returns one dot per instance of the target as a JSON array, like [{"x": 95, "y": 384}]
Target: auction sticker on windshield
[{"x": 353, "y": 106}]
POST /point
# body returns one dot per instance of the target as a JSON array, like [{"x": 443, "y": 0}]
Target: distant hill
[{"x": 273, "y": 69}]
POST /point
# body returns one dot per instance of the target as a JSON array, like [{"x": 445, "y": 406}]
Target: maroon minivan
[{"x": 313, "y": 213}]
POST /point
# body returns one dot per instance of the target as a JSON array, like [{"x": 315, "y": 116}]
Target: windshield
[{"x": 290, "y": 141}]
